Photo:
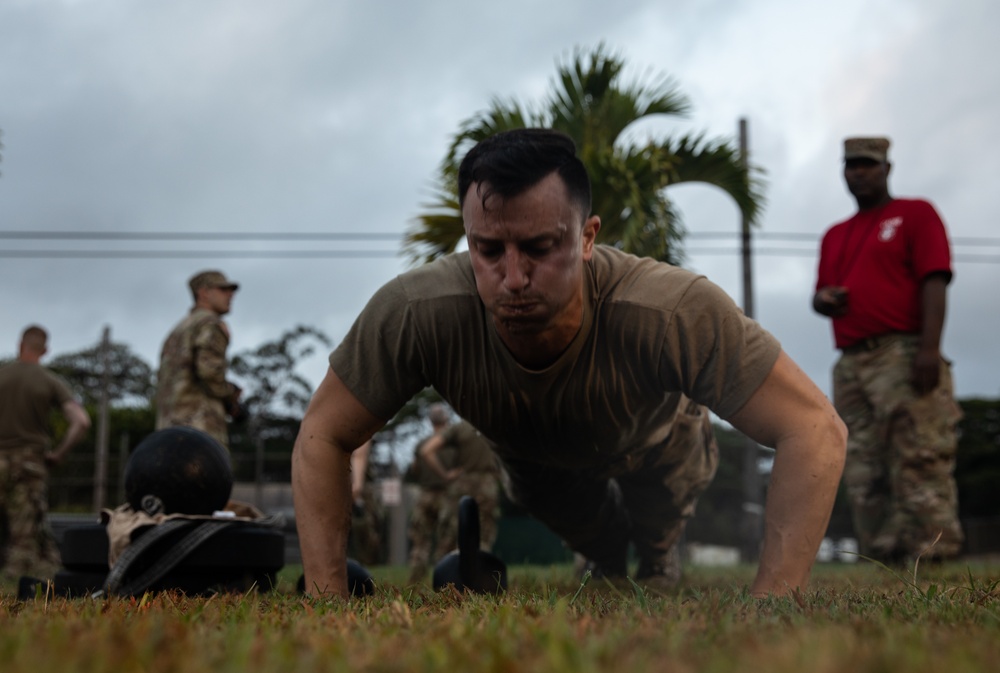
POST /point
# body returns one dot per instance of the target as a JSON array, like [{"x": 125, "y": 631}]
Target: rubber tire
[
  {"x": 80, "y": 584},
  {"x": 244, "y": 546}
]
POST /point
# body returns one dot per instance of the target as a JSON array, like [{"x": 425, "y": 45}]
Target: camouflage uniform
[
  {"x": 424, "y": 530},
  {"x": 27, "y": 393},
  {"x": 478, "y": 479},
  {"x": 647, "y": 498},
  {"x": 365, "y": 541},
  {"x": 425, "y": 521},
  {"x": 485, "y": 489},
  {"x": 191, "y": 385},
  {"x": 30, "y": 548},
  {"x": 900, "y": 452}
]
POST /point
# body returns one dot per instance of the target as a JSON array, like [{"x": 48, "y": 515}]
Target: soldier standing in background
[
  {"x": 474, "y": 472},
  {"x": 883, "y": 276},
  {"x": 28, "y": 393},
  {"x": 191, "y": 388},
  {"x": 425, "y": 522},
  {"x": 366, "y": 513}
]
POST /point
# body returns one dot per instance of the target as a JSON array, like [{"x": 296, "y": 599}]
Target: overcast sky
[{"x": 245, "y": 116}]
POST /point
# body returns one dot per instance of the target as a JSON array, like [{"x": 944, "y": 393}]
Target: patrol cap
[
  {"x": 210, "y": 279},
  {"x": 876, "y": 148}
]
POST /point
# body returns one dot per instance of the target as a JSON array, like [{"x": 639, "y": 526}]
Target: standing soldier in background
[
  {"x": 366, "y": 512},
  {"x": 425, "y": 523},
  {"x": 28, "y": 393},
  {"x": 883, "y": 276},
  {"x": 474, "y": 472},
  {"x": 191, "y": 388}
]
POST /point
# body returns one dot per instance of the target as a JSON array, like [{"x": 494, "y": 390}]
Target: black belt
[{"x": 870, "y": 343}]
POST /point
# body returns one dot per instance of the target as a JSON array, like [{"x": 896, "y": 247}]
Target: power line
[
  {"x": 290, "y": 237},
  {"x": 367, "y": 254},
  {"x": 801, "y": 252},
  {"x": 799, "y": 236},
  {"x": 198, "y": 254},
  {"x": 197, "y": 236},
  {"x": 978, "y": 241}
]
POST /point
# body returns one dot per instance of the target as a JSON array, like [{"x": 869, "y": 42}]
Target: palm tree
[{"x": 591, "y": 104}]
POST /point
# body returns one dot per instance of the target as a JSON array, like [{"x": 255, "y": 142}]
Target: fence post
[{"x": 101, "y": 449}]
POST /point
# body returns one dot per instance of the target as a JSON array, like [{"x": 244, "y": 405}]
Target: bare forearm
[
  {"x": 321, "y": 489},
  {"x": 79, "y": 424},
  {"x": 807, "y": 470},
  {"x": 335, "y": 424},
  {"x": 790, "y": 413},
  {"x": 926, "y": 372},
  {"x": 830, "y": 301},
  {"x": 429, "y": 452},
  {"x": 359, "y": 469},
  {"x": 72, "y": 437},
  {"x": 933, "y": 301}
]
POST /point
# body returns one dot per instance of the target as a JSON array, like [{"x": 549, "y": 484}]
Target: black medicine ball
[{"x": 178, "y": 471}]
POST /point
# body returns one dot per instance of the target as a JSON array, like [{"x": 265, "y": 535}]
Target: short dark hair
[
  {"x": 514, "y": 161},
  {"x": 34, "y": 337}
]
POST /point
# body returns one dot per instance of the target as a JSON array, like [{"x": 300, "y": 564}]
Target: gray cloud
[{"x": 316, "y": 116}]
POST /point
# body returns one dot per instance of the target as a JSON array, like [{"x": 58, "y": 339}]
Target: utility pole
[
  {"x": 753, "y": 509},
  {"x": 101, "y": 457}
]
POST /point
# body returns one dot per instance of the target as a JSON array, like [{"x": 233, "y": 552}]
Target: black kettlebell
[
  {"x": 470, "y": 568},
  {"x": 359, "y": 580}
]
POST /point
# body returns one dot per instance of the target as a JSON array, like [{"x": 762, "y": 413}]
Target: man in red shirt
[{"x": 883, "y": 276}]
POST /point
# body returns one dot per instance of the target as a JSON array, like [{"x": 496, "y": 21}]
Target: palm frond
[
  {"x": 590, "y": 102},
  {"x": 718, "y": 163},
  {"x": 501, "y": 115},
  {"x": 437, "y": 231}
]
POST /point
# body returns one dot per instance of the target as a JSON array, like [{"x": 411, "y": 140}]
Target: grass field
[{"x": 857, "y": 618}]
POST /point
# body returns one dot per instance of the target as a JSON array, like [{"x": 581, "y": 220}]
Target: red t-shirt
[{"x": 881, "y": 255}]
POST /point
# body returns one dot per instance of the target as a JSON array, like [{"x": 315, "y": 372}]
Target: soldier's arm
[
  {"x": 334, "y": 425},
  {"x": 79, "y": 422},
  {"x": 210, "y": 343},
  {"x": 830, "y": 301},
  {"x": 429, "y": 452},
  {"x": 789, "y": 413},
  {"x": 927, "y": 363},
  {"x": 359, "y": 469}
]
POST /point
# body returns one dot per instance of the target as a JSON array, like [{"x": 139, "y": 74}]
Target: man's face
[
  {"x": 217, "y": 299},
  {"x": 528, "y": 255},
  {"x": 866, "y": 179}
]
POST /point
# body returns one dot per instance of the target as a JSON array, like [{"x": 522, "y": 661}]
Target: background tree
[
  {"x": 977, "y": 469},
  {"x": 130, "y": 381},
  {"x": 272, "y": 388},
  {"x": 396, "y": 441},
  {"x": 275, "y": 396},
  {"x": 591, "y": 103}
]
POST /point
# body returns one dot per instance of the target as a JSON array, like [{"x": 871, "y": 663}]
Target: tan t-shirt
[
  {"x": 28, "y": 393},
  {"x": 652, "y": 333},
  {"x": 472, "y": 450}
]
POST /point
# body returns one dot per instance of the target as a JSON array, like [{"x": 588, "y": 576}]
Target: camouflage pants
[
  {"x": 26, "y": 543},
  {"x": 900, "y": 453},
  {"x": 425, "y": 530},
  {"x": 365, "y": 541},
  {"x": 647, "y": 500},
  {"x": 485, "y": 489}
]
